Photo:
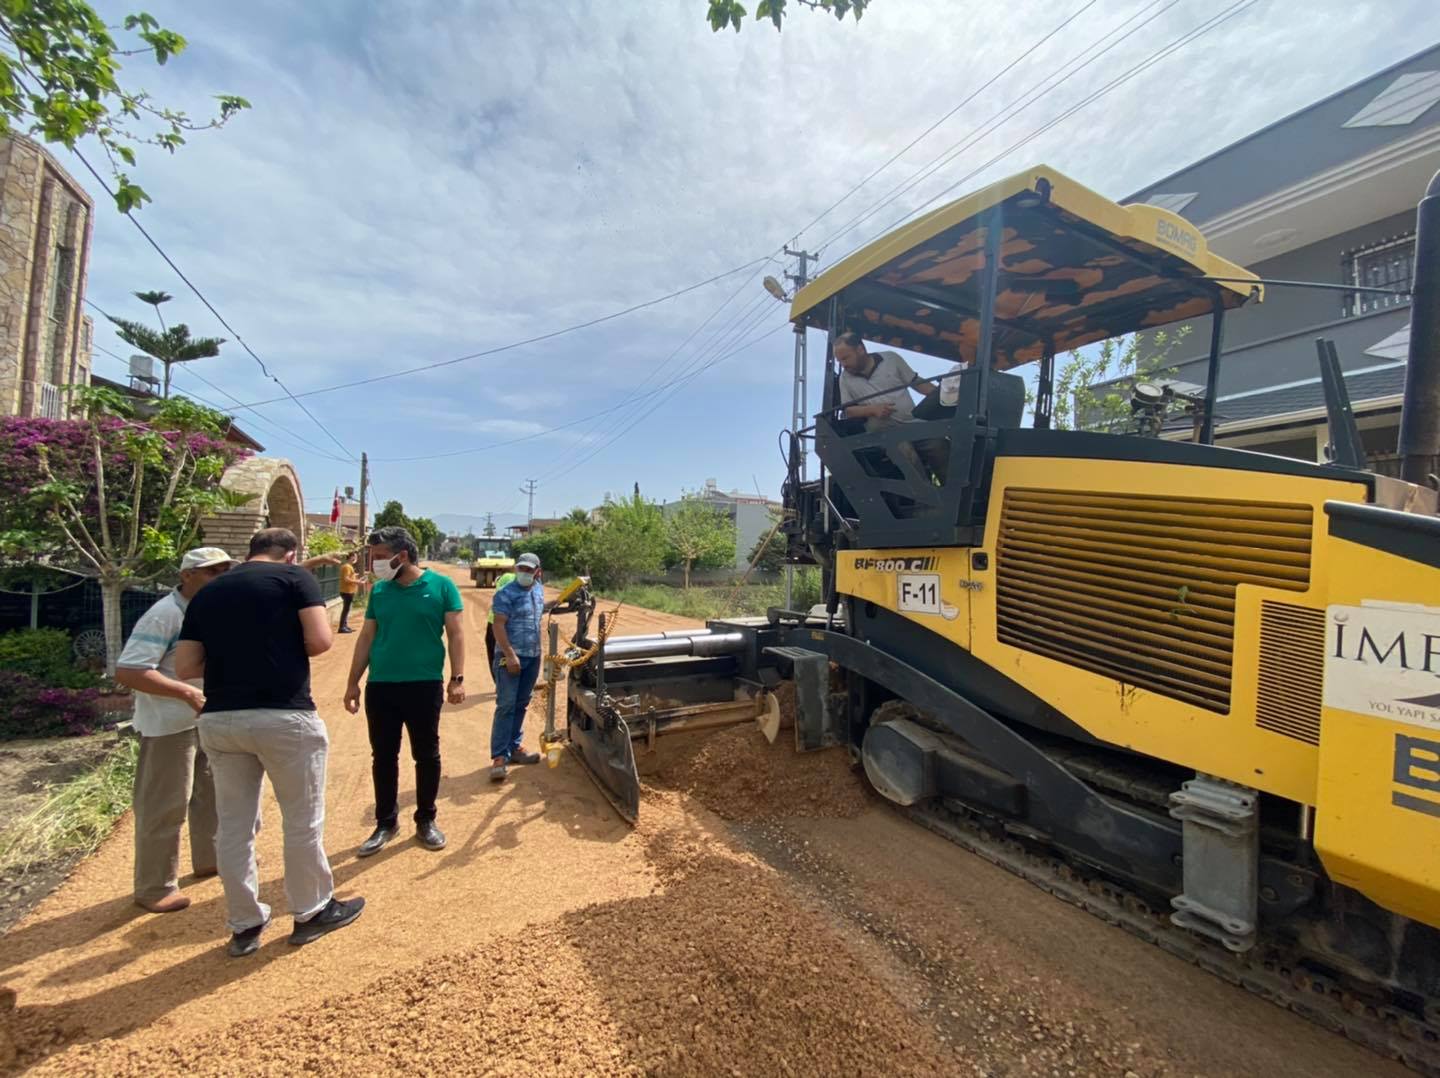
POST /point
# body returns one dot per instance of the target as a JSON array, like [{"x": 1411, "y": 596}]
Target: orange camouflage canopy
[{"x": 1074, "y": 268}]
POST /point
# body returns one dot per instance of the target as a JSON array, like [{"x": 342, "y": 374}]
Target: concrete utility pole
[
  {"x": 529, "y": 490},
  {"x": 799, "y": 407},
  {"x": 798, "y": 400}
]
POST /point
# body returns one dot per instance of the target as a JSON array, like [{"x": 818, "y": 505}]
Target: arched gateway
[{"x": 276, "y": 502}]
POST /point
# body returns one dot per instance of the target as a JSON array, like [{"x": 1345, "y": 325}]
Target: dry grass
[{"x": 76, "y": 816}]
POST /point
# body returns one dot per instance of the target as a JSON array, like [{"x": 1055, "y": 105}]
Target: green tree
[
  {"x": 172, "y": 344},
  {"x": 768, "y": 553},
  {"x": 392, "y": 516},
  {"x": 578, "y": 516},
  {"x": 629, "y": 542},
  {"x": 426, "y": 533},
  {"x": 1092, "y": 387},
  {"x": 111, "y": 497},
  {"x": 60, "y": 70},
  {"x": 465, "y": 553},
  {"x": 698, "y": 534},
  {"x": 723, "y": 13},
  {"x": 323, "y": 541},
  {"x": 564, "y": 550}
]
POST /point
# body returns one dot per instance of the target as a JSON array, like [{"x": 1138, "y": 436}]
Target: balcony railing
[
  {"x": 1382, "y": 265},
  {"x": 52, "y": 401}
]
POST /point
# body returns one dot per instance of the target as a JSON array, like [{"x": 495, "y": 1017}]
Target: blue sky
[{"x": 419, "y": 181}]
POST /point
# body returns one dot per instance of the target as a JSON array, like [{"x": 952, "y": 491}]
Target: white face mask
[
  {"x": 385, "y": 570},
  {"x": 524, "y": 579}
]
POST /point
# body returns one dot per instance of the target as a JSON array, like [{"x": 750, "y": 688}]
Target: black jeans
[
  {"x": 345, "y": 600},
  {"x": 413, "y": 706}
]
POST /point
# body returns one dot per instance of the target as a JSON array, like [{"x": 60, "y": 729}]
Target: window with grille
[
  {"x": 62, "y": 274},
  {"x": 1381, "y": 265}
]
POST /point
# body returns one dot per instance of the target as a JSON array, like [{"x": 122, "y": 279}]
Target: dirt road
[{"x": 810, "y": 930}]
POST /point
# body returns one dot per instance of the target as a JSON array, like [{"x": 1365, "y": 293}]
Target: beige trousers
[
  {"x": 290, "y": 747},
  {"x": 172, "y": 780}
]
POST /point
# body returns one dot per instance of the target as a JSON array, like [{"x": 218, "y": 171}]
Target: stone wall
[
  {"x": 276, "y": 502},
  {"x": 45, "y": 224}
]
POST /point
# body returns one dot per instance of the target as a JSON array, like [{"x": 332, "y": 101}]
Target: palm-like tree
[
  {"x": 172, "y": 344},
  {"x": 154, "y": 299}
]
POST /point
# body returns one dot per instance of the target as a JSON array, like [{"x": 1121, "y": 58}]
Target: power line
[
  {"x": 679, "y": 379},
  {"x": 1022, "y": 55},
  {"x": 1175, "y": 45},
  {"x": 678, "y": 384},
  {"x": 211, "y": 308},
  {"x": 519, "y": 439},
  {"x": 526, "y": 341},
  {"x": 589, "y": 436},
  {"x": 1005, "y": 114},
  {"x": 635, "y": 398},
  {"x": 1160, "y": 54},
  {"x": 267, "y": 423}
]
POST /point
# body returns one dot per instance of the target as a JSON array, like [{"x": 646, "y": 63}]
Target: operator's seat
[
  {"x": 923, "y": 482},
  {"x": 1006, "y": 403}
]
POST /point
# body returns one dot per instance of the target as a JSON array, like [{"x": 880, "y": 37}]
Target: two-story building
[
  {"x": 1325, "y": 195},
  {"x": 45, "y": 335}
]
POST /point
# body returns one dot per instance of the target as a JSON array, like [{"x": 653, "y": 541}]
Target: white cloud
[{"x": 420, "y": 181}]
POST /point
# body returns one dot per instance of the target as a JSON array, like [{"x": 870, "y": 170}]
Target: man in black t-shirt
[{"x": 251, "y": 641}]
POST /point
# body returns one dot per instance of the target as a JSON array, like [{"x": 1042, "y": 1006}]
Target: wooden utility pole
[{"x": 364, "y": 486}]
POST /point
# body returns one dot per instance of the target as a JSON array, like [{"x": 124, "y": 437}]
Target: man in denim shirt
[{"x": 519, "y": 608}]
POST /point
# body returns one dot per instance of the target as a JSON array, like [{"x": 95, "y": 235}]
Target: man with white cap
[
  {"x": 172, "y": 777},
  {"x": 519, "y": 609}
]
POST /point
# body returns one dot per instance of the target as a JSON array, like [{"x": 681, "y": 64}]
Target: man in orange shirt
[{"x": 349, "y": 587}]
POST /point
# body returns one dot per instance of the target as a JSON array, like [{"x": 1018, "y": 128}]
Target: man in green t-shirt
[
  {"x": 410, "y": 611},
  {"x": 500, "y": 582}
]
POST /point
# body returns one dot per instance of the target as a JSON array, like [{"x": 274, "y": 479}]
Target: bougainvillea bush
[
  {"x": 111, "y": 496},
  {"x": 30, "y": 708}
]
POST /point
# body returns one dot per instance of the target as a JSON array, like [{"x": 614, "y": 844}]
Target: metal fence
[
  {"x": 74, "y": 607},
  {"x": 329, "y": 579}
]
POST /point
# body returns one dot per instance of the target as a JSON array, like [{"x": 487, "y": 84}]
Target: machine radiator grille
[
  {"x": 1141, "y": 588},
  {"x": 1292, "y": 669}
]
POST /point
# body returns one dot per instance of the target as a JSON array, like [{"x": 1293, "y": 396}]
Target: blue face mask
[{"x": 524, "y": 579}]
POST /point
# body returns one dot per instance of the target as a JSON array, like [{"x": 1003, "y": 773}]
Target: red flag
[{"x": 335, "y": 508}]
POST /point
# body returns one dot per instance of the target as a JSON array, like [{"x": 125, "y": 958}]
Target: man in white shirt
[
  {"x": 882, "y": 377},
  {"x": 173, "y": 775}
]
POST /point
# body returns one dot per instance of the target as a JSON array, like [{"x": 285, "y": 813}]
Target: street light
[{"x": 776, "y": 289}]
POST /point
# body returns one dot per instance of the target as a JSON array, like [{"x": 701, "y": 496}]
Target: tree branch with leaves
[
  {"x": 108, "y": 495},
  {"x": 60, "y": 80},
  {"x": 731, "y": 13}
]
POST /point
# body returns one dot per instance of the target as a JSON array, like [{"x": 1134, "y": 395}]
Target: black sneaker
[
  {"x": 345, "y": 629},
  {"x": 520, "y": 756},
  {"x": 430, "y": 836},
  {"x": 376, "y": 842},
  {"x": 247, "y": 942},
  {"x": 336, "y": 914}
]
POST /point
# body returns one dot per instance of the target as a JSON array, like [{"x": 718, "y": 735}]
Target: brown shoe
[{"x": 174, "y": 902}]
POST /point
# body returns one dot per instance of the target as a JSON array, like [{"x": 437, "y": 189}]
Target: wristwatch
[{"x": 457, "y": 679}]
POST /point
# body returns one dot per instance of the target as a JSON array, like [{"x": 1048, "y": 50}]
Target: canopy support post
[
  {"x": 989, "y": 289},
  {"x": 1045, "y": 390},
  {"x": 1212, "y": 376}
]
